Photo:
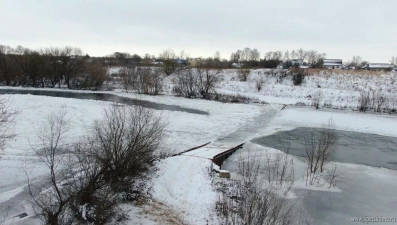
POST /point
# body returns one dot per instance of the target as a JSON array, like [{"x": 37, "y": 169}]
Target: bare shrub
[
  {"x": 197, "y": 82},
  {"x": 316, "y": 99},
  {"x": 144, "y": 80},
  {"x": 249, "y": 200},
  {"x": 298, "y": 76},
  {"x": 93, "y": 202},
  {"x": 4, "y": 214},
  {"x": 85, "y": 180},
  {"x": 279, "y": 170},
  {"x": 233, "y": 98},
  {"x": 148, "y": 81},
  {"x": 378, "y": 101},
  {"x": 125, "y": 142},
  {"x": 259, "y": 83},
  {"x": 128, "y": 78},
  {"x": 121, "y": 149},
  {"x": 280, "y": 75},
  {"x": 186, "y": 83},
  {"x": 364, "y": 101},
  {"x": 320, "y": 147},
  {"x": 333, "y": 177},
  {"x": 243, "y": 73}
]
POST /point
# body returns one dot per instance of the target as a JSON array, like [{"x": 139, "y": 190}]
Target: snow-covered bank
[
  {"x": 340, "y": 89},
  {"x": 294, "y": 116},
  {"x": 184, "y": 183},
  {"x": 360, "y": 190},
  {"x": 184, "y": 130}
]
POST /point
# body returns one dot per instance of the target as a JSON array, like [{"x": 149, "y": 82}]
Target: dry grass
[
  {"x": 314, "y": 71},
  {"x": 163, "y": 213}
]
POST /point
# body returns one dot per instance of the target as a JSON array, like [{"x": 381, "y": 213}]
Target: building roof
[
  {"x": 333, "y": 60},
  {"x": 332, "y": 64},
  {"x": 380, "y": 65}
]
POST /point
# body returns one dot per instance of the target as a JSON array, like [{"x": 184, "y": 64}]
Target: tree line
[{"x": 50, "y": 67}]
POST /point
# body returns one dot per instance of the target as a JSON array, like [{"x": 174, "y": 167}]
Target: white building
[
  {"x": 333, "y": 63},
  {"x": 296, "y": 62},
  {"x": 378, "y": 66}
]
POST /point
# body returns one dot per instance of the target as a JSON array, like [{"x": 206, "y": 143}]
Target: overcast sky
[{"x": 340, "y": 28}]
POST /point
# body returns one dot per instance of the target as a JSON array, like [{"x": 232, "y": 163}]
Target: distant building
[
  {"x": 378, "y": 66},
  {"x": 181, "y": 61},
  {"x": 333, "y": 63},
  {"x": 236, "y": 65},
  {"x": 194, "y": 61},
  {"x": 296, "y": 62}
]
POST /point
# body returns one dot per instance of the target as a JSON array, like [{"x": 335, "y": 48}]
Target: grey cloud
[{"x": 341, "y": 28}]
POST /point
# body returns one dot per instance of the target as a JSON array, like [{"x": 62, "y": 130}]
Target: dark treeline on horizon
[{"x": 69, "y": 66}]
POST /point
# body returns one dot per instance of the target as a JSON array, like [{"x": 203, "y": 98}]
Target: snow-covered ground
[
  {"x": 340, "y": 89},
  {"x": 360, "y": 191},
  {"x": 182, "y": 188},
  {"x": 184, "y": 130}
]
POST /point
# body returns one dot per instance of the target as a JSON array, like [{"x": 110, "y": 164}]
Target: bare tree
[
  {"x": 245, "y": 55},
  {"x": 169, "y": 64},
  {"x": 93, "y": 77},
  {"x": 287, "y": 55},
  {"x": 320, "y": 147},
  {"x": 235, "y": 57},
  {"x": 294, "y": 54},
  {"x": 301, "y": 54},
  {"x": 312, "y": 56},
  {"x": 208, "y": 77},
  {"x": 7, "y": 67},
  {"x": 356, "y": 61},
  {"x": 19, "y": 57},
  {"x": 393, "y": 60},
  {"x": 254, "y": 55},
  {"x": 55, "y": 68},
  {"x": 217, "y": 56},
  {"x": 183, "y": 55},
  {"x": 73, "y": 62},
  {"x": 51, "y": 202},
  {"x": 7, "y": 120}
]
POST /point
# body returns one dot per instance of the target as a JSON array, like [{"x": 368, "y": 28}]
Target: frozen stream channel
[
  {"x": 353, "y": 147},
  {"x": 367, "y": 164}
]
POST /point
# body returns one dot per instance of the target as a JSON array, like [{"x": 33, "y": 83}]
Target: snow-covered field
[{"x": 341, "y": 89}]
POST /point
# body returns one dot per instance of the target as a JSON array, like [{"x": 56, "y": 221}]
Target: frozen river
[
  {"x": 353, "y": 147},
  {"x": 367, "y": 164},
  {"x": 103, "y": 97}
]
